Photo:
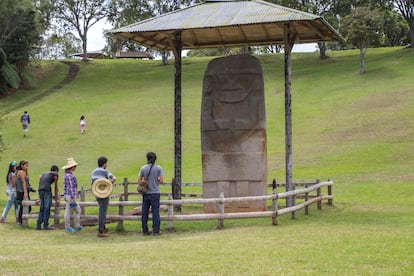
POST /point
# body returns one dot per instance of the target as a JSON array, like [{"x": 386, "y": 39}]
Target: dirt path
[{"x": 72, "y": 73}]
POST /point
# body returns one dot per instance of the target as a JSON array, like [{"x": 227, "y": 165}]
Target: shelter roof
[
  {"x": 230, "y": 23},
  {"x": 134, "y": 54}
]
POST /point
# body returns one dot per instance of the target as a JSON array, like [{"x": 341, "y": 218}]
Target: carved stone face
[
  {"x": 233, "y": 95},
  {"x": 231, "y": 87}
]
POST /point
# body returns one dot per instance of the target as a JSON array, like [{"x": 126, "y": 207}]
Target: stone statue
[{"x": 233, "y": 132}]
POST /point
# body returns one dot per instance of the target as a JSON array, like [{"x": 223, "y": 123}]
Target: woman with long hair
[
  {"x": 22, "y": 187},
  {"x": 11, "y": 192}
]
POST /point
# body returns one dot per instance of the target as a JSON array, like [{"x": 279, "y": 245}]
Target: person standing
[
  {"x": 102, "y": 172},
  {"x": 70, "y": 185},
  {"x": 22, "y": 188},
  {"x": 45, "y": 196},
  {"x": 82, "y": 124},
  {"x": 11, "y": 192},
  {"x": 25, "y": 120},
  {"x": 154, "y": 175}
]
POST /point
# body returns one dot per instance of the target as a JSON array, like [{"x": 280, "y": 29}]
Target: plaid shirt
[{"x": 70, "y": 186}]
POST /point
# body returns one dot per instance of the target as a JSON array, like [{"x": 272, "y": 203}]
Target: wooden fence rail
[{"x": 220, "y": 216}]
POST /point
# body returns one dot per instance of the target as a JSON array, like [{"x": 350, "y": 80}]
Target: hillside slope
[{"x": 347, "y": 127}]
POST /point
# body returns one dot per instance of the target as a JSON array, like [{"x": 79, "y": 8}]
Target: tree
[
  {"x": 60, "y": 46},
  {"x": 406, "y": 8},
  {"x": 396, "y": 29},
  {"x": 81, "y": 15},
  {"x": 363, "y": 28},
  {"x": 19, "y": 37}
]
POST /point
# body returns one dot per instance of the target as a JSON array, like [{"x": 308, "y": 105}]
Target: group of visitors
[{"x": 18, "y": 189}]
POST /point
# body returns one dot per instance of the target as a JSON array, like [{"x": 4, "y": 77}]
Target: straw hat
[
  {"x": 102, "y": 187},
  {"x": 70, "y": 162}
]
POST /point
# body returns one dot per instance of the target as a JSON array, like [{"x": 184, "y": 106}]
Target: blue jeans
[
  {"x": 11, "y": 200},
  {"x": 45, "y": 204},
  {"x": 152, "y": 200},
  {"x": 103, "y": 208}
]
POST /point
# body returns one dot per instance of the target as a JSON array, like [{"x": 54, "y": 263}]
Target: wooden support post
[
  {"x": 177, "y": 47},
  {"x": 289, "y": 39},
  {"x": 120, "y": 227},
  {"x": 82, "y": 199},
  {"x": 318, "y": 194},
  {"x": 170, "y": 214},
  {"x": 306, "y": 199},
  {"x": 293, "y": 201},
  {"x": 274, "y": 203},
  {"x": 220, "y": 208},
  {"x": 330, "y": 201},
  {"x": 176, "y": 193},
  {"x": 126, "y": 189},
  {"x": 57, "y": 214}
]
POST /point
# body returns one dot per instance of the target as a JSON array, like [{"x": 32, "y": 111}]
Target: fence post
[
  {"x": 330, "y": 201},
  {"x": 120, "y": 227},
  {"x": 274, "y": 203},
  {"x": 25, "y": 221},
  {"x": 220, "y": 209},
  {"x": 82, "y": 199},
  {"x": 293, "y": 201},
  {"x": 170, "y": 214},
  {"x": 176, "y": 193},
  {"x": 126, "y": 189},
  {"x": 318, "y": 194},
  {"x": 57, "y": 213},
  {"x": 306, "y": 199}
]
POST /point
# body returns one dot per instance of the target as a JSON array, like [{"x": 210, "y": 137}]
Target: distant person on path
[
  {"x": 82, "y": 124},
  {"x": 155, "y": 176},
  {"x": 102, "y": 172},
  {"x": 45, "y": 196},
  {"x": 22, "y": 188},
  {"x": 11, "y": 192},
  {"x": 25, "y": 120},
  {"x": 70, "y": 185}
]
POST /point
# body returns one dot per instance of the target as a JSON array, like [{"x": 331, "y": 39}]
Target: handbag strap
[{"x": 152, "y": 164}]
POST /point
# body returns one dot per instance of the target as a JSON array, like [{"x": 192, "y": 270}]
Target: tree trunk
[
  {"x": 362, "y": 51},
  {"x": 84, "y": 49},
  {"x": 322, "y": 50},
  {"x": 412, "y": 35},
  {"x": 164, "y": 58}
]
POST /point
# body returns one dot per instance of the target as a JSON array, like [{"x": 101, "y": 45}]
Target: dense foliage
[{"x": 19, "y": 37}]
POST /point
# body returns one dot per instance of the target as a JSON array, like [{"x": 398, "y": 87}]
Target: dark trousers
[
  {"x": 45, "y": 204},
  {"x": 153, "y": 201},
  {"x": 19, "y": 199},
  {"x": 103, "y": 208}
]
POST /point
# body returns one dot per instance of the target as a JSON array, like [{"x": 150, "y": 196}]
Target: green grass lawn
[{"x": 356, "y": 130}]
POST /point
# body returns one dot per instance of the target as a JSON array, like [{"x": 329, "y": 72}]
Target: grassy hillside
[
  {"x": 129, "y": 109},
  {"x": 356, "y": 130}
]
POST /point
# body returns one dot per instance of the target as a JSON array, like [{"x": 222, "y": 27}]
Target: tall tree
[
  {"x": 406, "y": 8},
  {"x": 363, "y": 28},
  {"x": 19, "y": 36},
  {"x": 81, "y": 15},
  {"x": 396, "y": 29}
]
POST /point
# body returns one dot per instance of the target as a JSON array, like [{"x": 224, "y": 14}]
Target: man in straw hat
[
  {"x": 103, "y": 196},
  {"x": 70, "y": 185}
]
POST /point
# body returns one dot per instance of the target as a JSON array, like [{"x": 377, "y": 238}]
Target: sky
[{"x": 96, "y": 39}]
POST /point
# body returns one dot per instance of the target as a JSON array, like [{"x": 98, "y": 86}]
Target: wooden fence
[{"x": 310, "y": 193}]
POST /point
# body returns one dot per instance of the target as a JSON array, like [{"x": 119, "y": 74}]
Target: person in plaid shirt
[{"x": 70, "y": 185}]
